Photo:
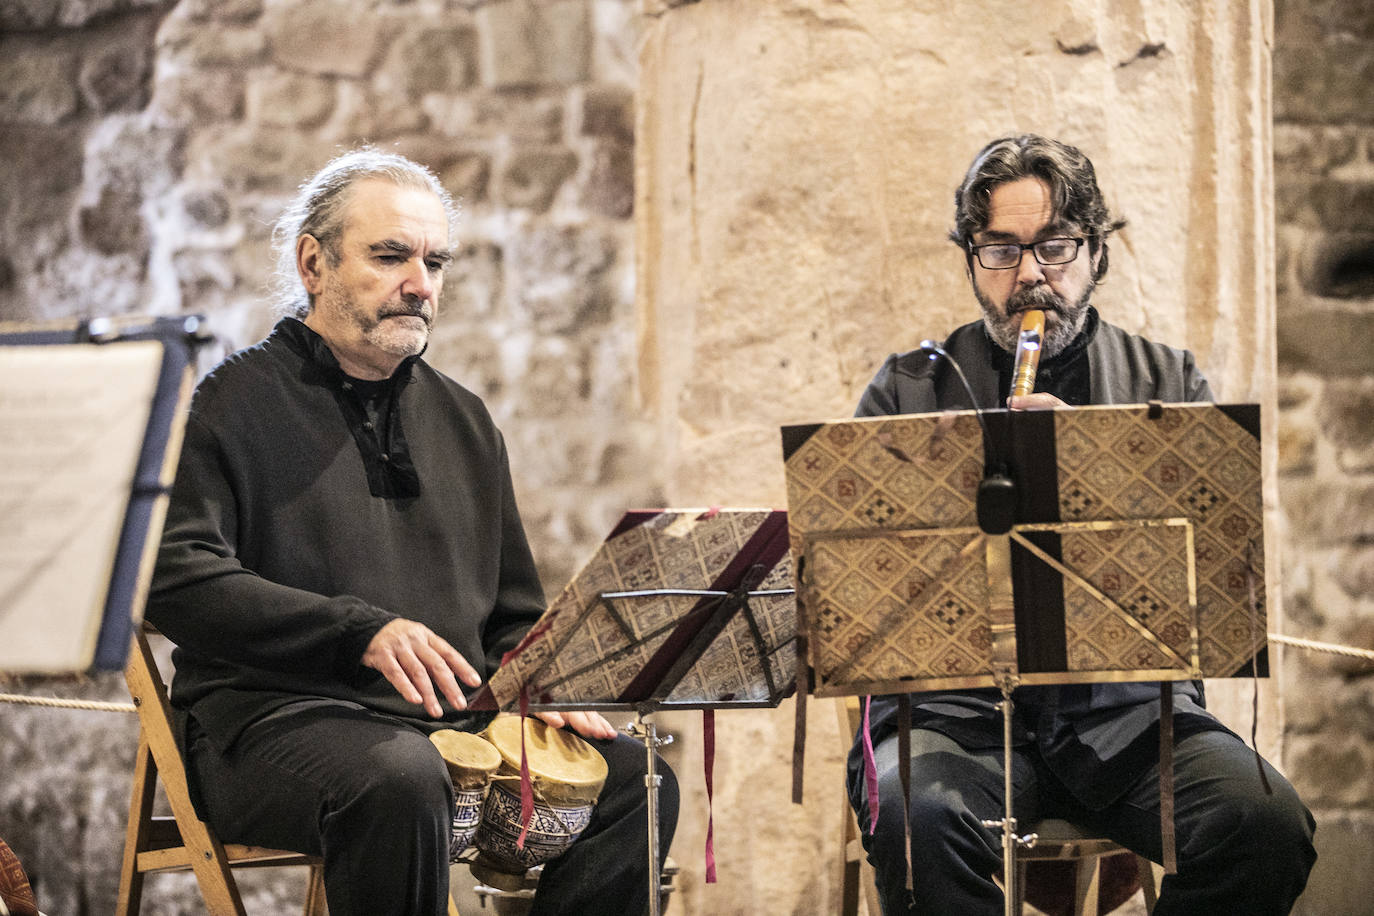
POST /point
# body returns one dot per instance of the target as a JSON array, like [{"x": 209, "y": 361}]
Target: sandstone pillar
[{"x": 795, "y": 167}]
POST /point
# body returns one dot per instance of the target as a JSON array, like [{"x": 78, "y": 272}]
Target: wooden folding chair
[
  {"x": 183, "y": 841},
  {"x": 1057, "y": 841}
]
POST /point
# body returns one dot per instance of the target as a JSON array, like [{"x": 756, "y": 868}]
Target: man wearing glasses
[{"x": 1034, "y": 227}]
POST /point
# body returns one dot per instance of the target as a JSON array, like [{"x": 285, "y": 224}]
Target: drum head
[
  {"x": 564, "y": 768},
  {"x": 470, "y": 758}
]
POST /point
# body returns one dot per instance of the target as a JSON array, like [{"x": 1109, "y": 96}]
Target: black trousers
[
  {"x": 1239, "y": 850},
  {"x": 371, "y": 795}
]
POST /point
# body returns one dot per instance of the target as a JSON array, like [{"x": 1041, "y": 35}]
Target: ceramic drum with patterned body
[
  {"x": 567, "y": 774},
  {"x": 471, "y": 762}
]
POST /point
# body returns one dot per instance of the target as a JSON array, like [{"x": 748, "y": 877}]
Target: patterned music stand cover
[
  {"x": 1141, "y": 548},
  {"x": 668, "y": 650}
]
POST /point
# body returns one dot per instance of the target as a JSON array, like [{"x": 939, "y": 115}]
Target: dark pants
[
  {"x": 371, "y": 795},
  {"x": 1239, "y": 850}
]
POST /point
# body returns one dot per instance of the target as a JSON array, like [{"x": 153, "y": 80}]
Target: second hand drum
[{"x": 567, "y": 775}]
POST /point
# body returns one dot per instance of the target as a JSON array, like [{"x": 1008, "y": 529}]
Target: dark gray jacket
[{"x": 1098, "y": 738}]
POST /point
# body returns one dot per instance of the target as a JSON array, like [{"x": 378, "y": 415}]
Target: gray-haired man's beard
[{"x": 1005, "y": 329}]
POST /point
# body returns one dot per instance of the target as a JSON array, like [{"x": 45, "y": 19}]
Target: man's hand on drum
[
  {"x": 586, "y": 724},
  {"x": 414, "y": 660}
]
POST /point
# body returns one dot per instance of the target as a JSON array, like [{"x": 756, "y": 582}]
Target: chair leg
[
  {"x": 314, "y": 893},
  {"x": 1149, "y": 886},
  {"x": 1087, "y": 873},
  {"x": 141, "y": 793}
]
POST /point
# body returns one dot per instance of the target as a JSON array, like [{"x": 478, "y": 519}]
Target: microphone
[
  {"x": 1028, "y": 352},
  {"x": 996, "y": 502}
]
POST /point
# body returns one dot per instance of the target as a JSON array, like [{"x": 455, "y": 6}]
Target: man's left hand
[
  {"x": 1038, "y": 401},
  {"x": 586, "y": 724}
]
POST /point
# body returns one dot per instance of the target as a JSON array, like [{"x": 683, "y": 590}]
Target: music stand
[
  {"x": 94, "y": 412},
  {"x": 678, "y": 609},
  {"x": 1134, "y": 551}
]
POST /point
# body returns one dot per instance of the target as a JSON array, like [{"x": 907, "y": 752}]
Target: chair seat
[
  {"x": 164, "y": 851},
  {"x": 1060, "y": 839}
]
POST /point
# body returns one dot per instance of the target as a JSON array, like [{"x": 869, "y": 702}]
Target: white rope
[
  {"x": 1322, "y": 646},
  {"x": 67, "y": 704},
  {"x": 93, "y": 705}
]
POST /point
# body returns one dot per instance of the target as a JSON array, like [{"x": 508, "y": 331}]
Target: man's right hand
[{"x": 414, "y": 660}]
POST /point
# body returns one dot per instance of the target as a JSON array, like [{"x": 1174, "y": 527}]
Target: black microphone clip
[{"x": 996, "y": 499}]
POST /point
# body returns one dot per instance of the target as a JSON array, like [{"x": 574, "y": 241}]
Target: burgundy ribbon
[
  {"x": 526, "y": 784},
  {"x": 870, "y": 772},
  {"x": 708, "y": 741}
]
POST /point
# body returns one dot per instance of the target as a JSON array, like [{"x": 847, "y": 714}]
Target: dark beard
[{"x": 1005, "y": 331}]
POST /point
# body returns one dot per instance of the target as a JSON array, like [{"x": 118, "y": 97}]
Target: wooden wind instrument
[{"x": 1028, "y": 352}]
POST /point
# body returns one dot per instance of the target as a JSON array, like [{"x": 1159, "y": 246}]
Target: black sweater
[{"x": 297, "y": 530}]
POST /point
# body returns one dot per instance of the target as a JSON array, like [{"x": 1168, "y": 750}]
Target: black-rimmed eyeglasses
[{"x": 1006, "y": 255}]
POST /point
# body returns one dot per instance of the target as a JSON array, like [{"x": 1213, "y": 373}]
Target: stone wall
[
  {"x": 1324, "y": 161},
  {"x": 146, "y": 146}
]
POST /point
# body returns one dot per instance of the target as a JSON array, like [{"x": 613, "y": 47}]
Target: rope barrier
[
  {"x": 67, "y": 704},
  {"x": 1315, "y": 646}
]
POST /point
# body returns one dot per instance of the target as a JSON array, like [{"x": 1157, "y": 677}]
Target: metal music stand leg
[
  {"x": 647, "y": 733},
  {"x": 1011, "y": 893}
]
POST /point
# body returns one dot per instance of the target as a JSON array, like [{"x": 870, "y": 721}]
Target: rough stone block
[
  {"x": 1358, "y": 633},
  {"x": 531, "y": 177},
  {"x": 522, "y": 116},
  {"x": 1325, "y": 341},
  {"x": 282, "y": 99},
  {"x": 608, "y": 111},
  {"x": 1327, "y": 512},
  {"x": 615, "y": 42},
  {"x": 360, "y": 113},
  {"x": 524, "y": 43},
  {"x": 1342, "y": 883},
  {"x": 466, "y": 177},
  {"x": 205, "y": 209},
  {"x": 1307, "y": 87},
  {"x": 1331, "y": 771},
  {"x": 199, "y": 47},
  {"x": 211, "y": 96},
  {"x": 1338, "y": 265},
  {"x": 1294, "y": 201},
  {"x": 1345, "y": 206},
  {"x": 114, "y": 224},
  {"x": 428, "y": 59},
  {"x": 325, "y": 36},
  {"x": 115, "y": 71},
  {"x": 1355, "y": 571},
  {"x": 248, "y": 157},
  {"x": 37, "y": 82},
  {"x": 1297, "y": 448},
  {"x": 556, "y": 277},
  {"x": 1346, "y": 412},
  {"x": 1354, "y": 705},
  {"x": 34, "y": 15},
  {"x": 1310, "y": 696},
  {"x": 1297, "y": 390},
  {"x": 1303, "y": 22},
  {"x": 463, "y": 171},
  {"x": 474, "y": 283},
  {"x": 220, "y": 10},
  {"x": 609, "y": 188}
]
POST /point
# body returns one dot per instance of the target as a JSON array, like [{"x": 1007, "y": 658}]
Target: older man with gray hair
[{"x": 343, "y": 555}]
